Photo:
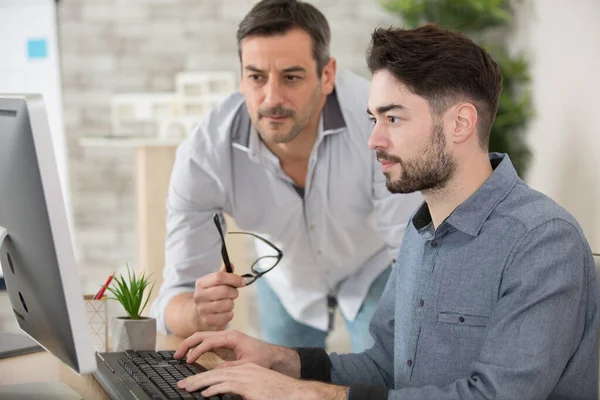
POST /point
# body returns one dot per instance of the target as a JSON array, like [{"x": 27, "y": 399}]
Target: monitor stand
[
  {"x": 38, "y": 390},
  {"x": 3, "y": 234},
  {"x": 16, "y": 344}
]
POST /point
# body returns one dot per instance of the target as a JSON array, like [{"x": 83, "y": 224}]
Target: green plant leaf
[{"x": 133, "y": 293}]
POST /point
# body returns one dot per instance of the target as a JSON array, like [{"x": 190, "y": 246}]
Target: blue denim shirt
[{"x": 500, "y": 302}]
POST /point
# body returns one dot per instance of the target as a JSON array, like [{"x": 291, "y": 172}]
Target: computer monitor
[{"x": 36, "y": 252}]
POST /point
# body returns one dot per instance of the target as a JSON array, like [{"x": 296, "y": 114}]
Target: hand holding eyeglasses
[{"x": 215, "y": 293}]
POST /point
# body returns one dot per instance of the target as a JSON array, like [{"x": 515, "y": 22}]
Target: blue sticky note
[{"x": 37, "y": 48}]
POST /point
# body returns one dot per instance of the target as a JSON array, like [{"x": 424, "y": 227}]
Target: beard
[
  {"x": 299, "y": 123},
  {"x": 431, "y": 170},
  {"x": 281, "y": 137}
]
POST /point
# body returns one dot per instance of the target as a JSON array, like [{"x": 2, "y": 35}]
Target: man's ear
[
  {"x": 465, "y": 122},
  {"x": 328, "y": 76}
]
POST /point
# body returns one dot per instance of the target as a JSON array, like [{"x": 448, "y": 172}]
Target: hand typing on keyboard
[
  {"x": 254, "y": 369},
  {"x": 233, "y": 347}
]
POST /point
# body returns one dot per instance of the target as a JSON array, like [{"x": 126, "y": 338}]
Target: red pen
[{"x": 100, "y": 293}]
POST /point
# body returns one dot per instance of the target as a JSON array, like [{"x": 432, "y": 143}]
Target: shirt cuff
[
  {"x": 366, "y": 392},
  {"x": 315, "y": 364}
]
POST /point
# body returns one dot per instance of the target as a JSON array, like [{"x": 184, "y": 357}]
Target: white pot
[{"x": 133, "y": 334}]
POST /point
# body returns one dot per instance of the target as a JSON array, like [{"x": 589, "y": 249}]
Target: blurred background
[{"x": 125, "y": 80}]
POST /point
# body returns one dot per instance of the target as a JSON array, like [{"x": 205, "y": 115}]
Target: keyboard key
[
  {"x": 184, "y": 394},
  {"x": 130, "y": 353}
]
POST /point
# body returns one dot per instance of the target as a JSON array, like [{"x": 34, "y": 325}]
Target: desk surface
[{"x": 44, "y": 367}]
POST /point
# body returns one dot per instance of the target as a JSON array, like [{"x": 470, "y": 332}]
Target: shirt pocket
[{"x": 449, "y": 317}]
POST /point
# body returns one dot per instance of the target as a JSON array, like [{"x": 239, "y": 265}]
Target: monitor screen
[{"x": 36, "y": 251}]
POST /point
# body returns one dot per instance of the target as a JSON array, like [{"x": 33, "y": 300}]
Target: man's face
[
  {"x": 280, "y": 83},
  {"x": 410, "y": 145}
]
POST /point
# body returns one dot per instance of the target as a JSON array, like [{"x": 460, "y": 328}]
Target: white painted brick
[
  {"x": 167, "y": 29},
  {"x": 100, "y": 237},
  {"x": 101, "y": 12},
  {"x": 73, "y": 63},
  {"x": 102, "y": 201},
  {"x": 71, "y": 118},
  {"x": 234, "y": 10},
  {"x": 230, "y": 62},
  {"x": 161, "y": 83},
  {"x": 98, "y": 12},
  {"x": 71, "y": 12},
  {"x": 372, "y": 10},
  {"x": 130, "y": 81},
  {"x": 212, "y": 36}
]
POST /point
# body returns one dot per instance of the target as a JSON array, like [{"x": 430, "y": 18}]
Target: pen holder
[{"x": 97, "y": 318}]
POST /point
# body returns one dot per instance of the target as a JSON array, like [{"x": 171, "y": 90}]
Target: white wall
[
  {"x": 562, "y": 39},
  {"x": 22, "y": 21},
  {"x": 21, "y": 72}
]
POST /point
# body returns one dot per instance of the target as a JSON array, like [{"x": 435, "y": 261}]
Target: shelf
[{"x": 124, "y": 141}]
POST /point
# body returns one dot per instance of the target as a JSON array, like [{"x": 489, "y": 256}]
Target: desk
[{"x": 44, "y": 367}]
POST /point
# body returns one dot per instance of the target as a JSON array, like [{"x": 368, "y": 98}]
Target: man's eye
[
  {"x": 292, "y": 78},
  {"x": 393, "y": 120},
  {"x": 373, "y": 120},
  {"x": 255, "y": 77}
]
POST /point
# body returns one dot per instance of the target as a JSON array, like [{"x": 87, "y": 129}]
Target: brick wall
[{"x": 120, "y": 46}]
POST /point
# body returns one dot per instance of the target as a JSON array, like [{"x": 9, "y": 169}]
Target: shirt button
[
  {"x": 318, "y": 252},
  {"x": 312, "y": 227},
  {"x": 409, "y": 363},
  {"x": 421, "y": 302},
  {"x": 434, "y": 244},
  {"x": 461, "y": 319}
]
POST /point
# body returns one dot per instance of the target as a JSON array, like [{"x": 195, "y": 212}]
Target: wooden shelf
[{"x": 125, "y": 141}]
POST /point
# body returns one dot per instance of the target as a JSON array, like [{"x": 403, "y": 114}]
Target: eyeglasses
[{"x": 259, "y": 267}]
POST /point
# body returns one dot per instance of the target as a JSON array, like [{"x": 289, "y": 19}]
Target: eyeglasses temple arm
[{"x": 224, "y": 253}]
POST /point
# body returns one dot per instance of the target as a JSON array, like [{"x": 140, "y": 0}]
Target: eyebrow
[
  {"x": 389, "y": 107},
  {"x": 295, "y": 68}
]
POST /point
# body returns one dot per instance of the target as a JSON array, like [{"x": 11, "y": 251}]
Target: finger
[
  {"x": 215, "y": 293},
  {"x": 223, "y": 388},
  {"x": 202, "y": 380},
  {"x": 231, "y": 364},
  {"x": 215, "y": 307},
  {"x": 222, "y": 339},
  {"x": 193, "y": 341},
  {"x": 222, "y": 278}
]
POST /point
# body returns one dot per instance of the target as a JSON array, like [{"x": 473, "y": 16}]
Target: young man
[
  {"x": 287, "y": 159},
  {"x": 494, "y": 294}
]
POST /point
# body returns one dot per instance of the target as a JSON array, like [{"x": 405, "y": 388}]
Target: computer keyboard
[{"x": 157, "y": 372}]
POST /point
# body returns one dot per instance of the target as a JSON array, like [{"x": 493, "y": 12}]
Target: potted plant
[{"x": 132, "y": 332}]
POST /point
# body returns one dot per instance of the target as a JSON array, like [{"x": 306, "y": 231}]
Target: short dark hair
[
  {"x": 441, "y": 66},
  {"x": 276, "y": 17}
]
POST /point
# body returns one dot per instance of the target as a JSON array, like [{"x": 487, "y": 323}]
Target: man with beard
[
  {"x": 288, "y": 159},
  {"x": 494, "y": 293}
]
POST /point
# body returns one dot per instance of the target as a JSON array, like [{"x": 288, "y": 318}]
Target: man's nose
[
  {"x": 273, "y": 93},
  {"x": 378, "y": 139}
]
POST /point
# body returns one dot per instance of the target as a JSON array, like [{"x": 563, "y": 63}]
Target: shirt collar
[
  {"x": 332, "y": 118},
  {"x": 470, "y": 216}
]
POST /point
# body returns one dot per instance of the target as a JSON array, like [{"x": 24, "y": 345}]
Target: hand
[
  {"x": 232, "y": 346},
  {"x": 213, "y": 297},
  {"x": 254, "y": 382}
]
